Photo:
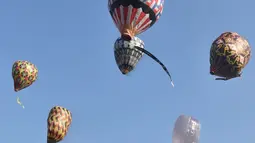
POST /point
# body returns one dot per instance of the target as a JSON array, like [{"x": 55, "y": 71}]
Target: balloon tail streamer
[
  {"x": 20, "y": 103},
  {"x": 157, "y": 60}
]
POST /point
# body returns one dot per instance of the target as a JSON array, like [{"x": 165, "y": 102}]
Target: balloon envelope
[
  {"x": 24, "y": 74},
  {"x": 59, "y": 120},
  {"x": 126, "y": 55},
  {"x": 229, "y": 54},
  {"x": 134, "y": 16},
  {"x": 186, "y": 130}
]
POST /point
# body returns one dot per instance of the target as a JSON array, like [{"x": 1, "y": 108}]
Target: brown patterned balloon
[
  {"x": 24, "y": 74},
  {"x": 229, "y": 54},
  {"x": 59, "y": 120}
]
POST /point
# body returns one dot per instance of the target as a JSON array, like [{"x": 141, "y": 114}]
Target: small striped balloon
[
  {"x": 129, "y": 52},
  {"x": 59, "y": 120},
  {"x": 126, "y": 55}
]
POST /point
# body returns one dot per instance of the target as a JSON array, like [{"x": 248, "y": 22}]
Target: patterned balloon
[
  {"x": 59, "y": 120},
  {"x": 186, "y": 130},
  {"x": 128, "y": 53},
  {"x": 134, "y": 16},
  {"x": 229, "y": 54},
  {"x": 24, "y": 74}
]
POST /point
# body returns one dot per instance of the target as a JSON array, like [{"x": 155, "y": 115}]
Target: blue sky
[{"x": 71, "y": 43}]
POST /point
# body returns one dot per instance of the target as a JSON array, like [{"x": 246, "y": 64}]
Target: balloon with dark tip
[
  {"x": 128, "y": 53},
  {"x": 186, "y": 130},
  {"x": 229, "y": 54}
]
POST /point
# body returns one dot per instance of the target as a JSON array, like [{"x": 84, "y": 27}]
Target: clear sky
[{"x": 71, "y": 43}]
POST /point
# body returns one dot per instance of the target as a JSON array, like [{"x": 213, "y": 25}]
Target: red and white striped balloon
[{"x": 133, "y": 17}]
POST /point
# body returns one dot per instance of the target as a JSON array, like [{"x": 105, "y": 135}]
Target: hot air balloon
[
  {"x": 128, "y": 53},
  {"x": 59, "y": 121},
  {"x": 229, "y": 54},
  {"x": 133, "y": 17},
  {"x": 186, "y": 130},
  {"x": 24, "y": 74}
]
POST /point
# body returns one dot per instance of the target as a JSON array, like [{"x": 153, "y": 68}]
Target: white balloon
[{"x": 186, "y": 130}]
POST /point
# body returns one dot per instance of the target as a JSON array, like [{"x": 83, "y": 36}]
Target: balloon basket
[{"x": 51, "y": 141}]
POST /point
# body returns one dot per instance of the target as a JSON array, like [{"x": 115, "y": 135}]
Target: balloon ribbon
[
  {"x": 20, "y": 103},
  {"x": 157, "y": 60}
]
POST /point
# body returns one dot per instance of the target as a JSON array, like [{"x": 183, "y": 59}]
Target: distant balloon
[
  {"x": 229, "y": 54},
  {"x": 129, "y": 52},
  {"x": 59, "y": 120},
  {"x": 186, "y": 130},
  {"x": 24, "y": 74},
  {"x": 134, "y": 16}
]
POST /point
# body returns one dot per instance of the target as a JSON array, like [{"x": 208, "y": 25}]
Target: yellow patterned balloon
[
  {"x": 59, "y": 120},
  {"x": 24, "y": 74}
]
